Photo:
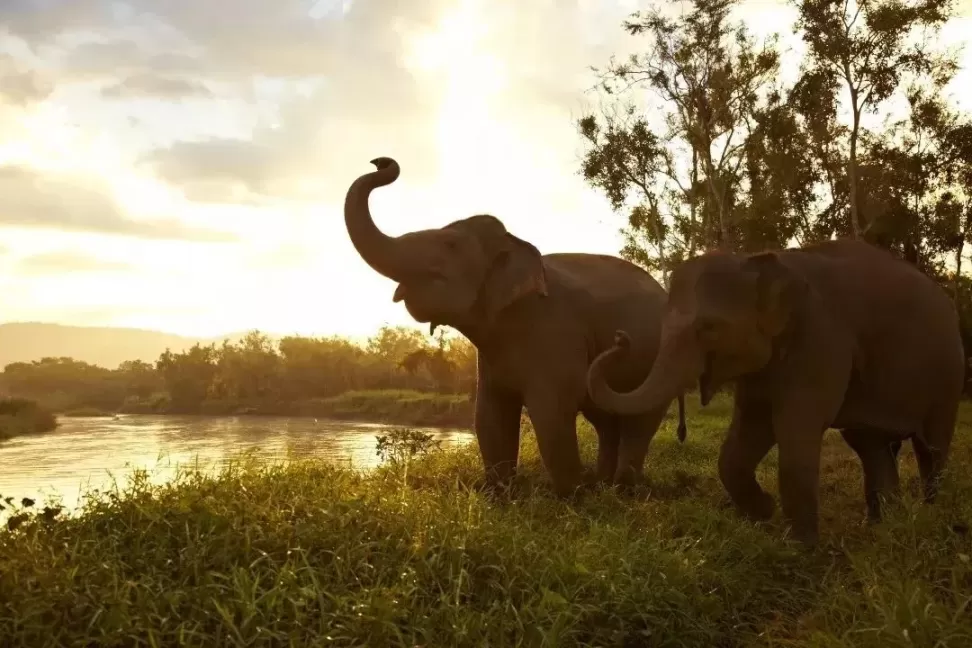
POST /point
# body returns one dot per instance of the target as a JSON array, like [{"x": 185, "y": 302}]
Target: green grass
[
  {"x": 20, "y": 416},
  {"x": 402, "y": 407},
  {"x": 308, "y": 554}
]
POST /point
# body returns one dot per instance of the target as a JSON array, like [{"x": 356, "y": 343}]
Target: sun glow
[{"x": 471, "y": 140}]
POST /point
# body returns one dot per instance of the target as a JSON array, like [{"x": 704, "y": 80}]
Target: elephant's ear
[
  {"x": 778, "y": 291},
  {"x": 516, "y": 271}
]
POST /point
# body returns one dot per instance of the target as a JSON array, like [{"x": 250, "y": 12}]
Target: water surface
[{"x": 87, "y": 453}]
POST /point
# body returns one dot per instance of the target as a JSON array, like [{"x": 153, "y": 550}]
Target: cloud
[
  {"x": 149, "y": 85},
  {"x": 65, "y": 261},
  {"x": 48, "y": 201},
  {"x": 19, "y": 86},
  {"x": 364, "y": 101},
  {"x": 118, "y": 57}
]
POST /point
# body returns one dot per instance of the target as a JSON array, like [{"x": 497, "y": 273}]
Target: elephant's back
[
  {"x": 603, "y": 276},
  {"x": 905, "y": 324}
]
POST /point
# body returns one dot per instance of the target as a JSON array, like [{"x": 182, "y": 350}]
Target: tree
[
  {"x": 188, "y": 375},
  {"x": 868, "y": 47},
  {"x": 680, "y": 173}
]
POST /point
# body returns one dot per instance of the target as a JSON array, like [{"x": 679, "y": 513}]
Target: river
[{"x": 91, "y": 453}]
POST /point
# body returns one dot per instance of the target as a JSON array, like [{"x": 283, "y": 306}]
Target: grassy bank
[
  {"x": 19, "y": 416},
  {"x": 307, "y": 554},
  {"x": 401, "y": 407}
]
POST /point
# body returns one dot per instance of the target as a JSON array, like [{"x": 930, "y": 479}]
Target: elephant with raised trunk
[
  {"x": 537, "y": 322},
  {"x": 839, "y": 334}
]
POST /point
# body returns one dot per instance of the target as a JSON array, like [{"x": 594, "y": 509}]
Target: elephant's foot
[
  {"x": 596, "y": 479},
  {"x": 498, "y": 489},
  {"x": 568, "y": 488},
  {"x": 808, "y": 536},
  {"x": 759, "y": 508}
]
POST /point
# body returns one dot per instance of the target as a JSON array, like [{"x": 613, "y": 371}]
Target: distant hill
[{"x": 100, "y": 345}]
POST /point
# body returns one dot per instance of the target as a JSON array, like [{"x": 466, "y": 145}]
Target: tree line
[
  {"x": 255, "y": 374},
  {"x": 702, "y": 143}
]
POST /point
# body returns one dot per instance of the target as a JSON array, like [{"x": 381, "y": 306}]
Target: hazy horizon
[{"x": 181, "y": 167}]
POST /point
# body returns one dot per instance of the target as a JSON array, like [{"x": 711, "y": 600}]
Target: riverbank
[
  {"x": 19, "y": 417},
  {"x": 306, "y": 552},
  {"x": 392, "y": 406}
]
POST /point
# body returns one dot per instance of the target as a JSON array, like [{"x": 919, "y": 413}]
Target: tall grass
[{"x": 304, "y": 553}]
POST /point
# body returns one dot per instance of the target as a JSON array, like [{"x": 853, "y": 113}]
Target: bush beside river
[{"x": 20, "y": 416}]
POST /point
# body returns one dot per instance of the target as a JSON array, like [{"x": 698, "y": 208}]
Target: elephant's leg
[
  {"x": 799, "y": 427},
  {"x": 747, "y": 443},
  {"x": 879, "y": 458},
  {"x": 497, "y": 427},
  {"x": 554, "y": 416},
  {"x": 608, "y": 430},
  {"x": 931, "y": 447},
  {"x": 636, "y": 435}
]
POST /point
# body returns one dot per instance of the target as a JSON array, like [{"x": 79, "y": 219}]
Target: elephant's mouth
[{"x": 401, "y": 294}]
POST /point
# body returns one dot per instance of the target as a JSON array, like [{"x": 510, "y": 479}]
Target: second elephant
[{"x": 838, "y": 334}]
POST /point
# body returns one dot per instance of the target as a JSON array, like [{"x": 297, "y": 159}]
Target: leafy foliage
[
  {"x": 254, "y": 375},
  {"x": 19, "y": 416},
  {"x": 701, "y": 145}
]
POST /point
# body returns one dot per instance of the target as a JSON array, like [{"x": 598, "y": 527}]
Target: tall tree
[
  {"x": 674, "y": 145},
  {"x": 869, "y": 47}
]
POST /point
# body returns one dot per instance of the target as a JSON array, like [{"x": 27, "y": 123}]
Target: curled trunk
[
  {"x": 678, "y": 365},
  {"x": 385, "y": 254}
]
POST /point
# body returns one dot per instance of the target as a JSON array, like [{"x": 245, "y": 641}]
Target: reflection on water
[{"x": 86, "y": 453}]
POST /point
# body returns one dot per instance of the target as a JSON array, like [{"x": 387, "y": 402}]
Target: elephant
[
  {"x": 536, "y": 321},
  {"x": 837, "y": 334}
]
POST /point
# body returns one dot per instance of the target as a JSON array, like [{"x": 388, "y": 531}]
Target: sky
[{"x": 181, "y": 165}]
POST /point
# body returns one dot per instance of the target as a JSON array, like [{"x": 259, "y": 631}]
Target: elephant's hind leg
[
  {"x": 879, "y": 458},
  {"x": 636, "y": 434},
  {"x": 931, "y": 447},
  {"x": 608, "y": 430}
]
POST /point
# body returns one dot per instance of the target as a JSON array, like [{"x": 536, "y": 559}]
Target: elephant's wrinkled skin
[
  {"x": 536, "y": 321},
  {"x": 838, "y": 334}
]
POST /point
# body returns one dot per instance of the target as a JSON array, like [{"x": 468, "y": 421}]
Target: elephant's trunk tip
[
  {"x": 382, "y": 163},
  {"x": 622, "y": 340}
]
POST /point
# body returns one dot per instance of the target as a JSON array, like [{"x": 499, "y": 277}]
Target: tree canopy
[
  {"x": 253, "y": 374},
  {"x": 701, "y": 144}
]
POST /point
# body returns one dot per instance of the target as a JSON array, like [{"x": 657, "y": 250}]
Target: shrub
[{"x": 19, "y": 416}]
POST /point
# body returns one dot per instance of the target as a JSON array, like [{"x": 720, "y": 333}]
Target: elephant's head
[
  {"x": 724, "y": 316},
  {"x": 460, "y": 275}
]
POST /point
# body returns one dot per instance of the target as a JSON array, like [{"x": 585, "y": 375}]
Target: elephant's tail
[{"x": 682, "y": 429}]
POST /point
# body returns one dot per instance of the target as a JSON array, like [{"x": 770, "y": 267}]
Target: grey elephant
[
  {"x": 839, "y": 334},
  {"x": 537, "y": 321}
]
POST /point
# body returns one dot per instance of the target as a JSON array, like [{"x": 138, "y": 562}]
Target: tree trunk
[{"x": 852, "y": 168}]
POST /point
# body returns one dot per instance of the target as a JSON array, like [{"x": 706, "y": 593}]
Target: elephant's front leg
[
  {"x": 749, "y": 439},
  {"x": 554, "y": 416},
  {"x": 799, "y": 422},
  {"x": 497, "y": 427}
]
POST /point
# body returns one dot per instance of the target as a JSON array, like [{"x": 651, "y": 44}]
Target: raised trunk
[
  {"x": 678, "y": 365},
  {"x": 382, "y": 252}
]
